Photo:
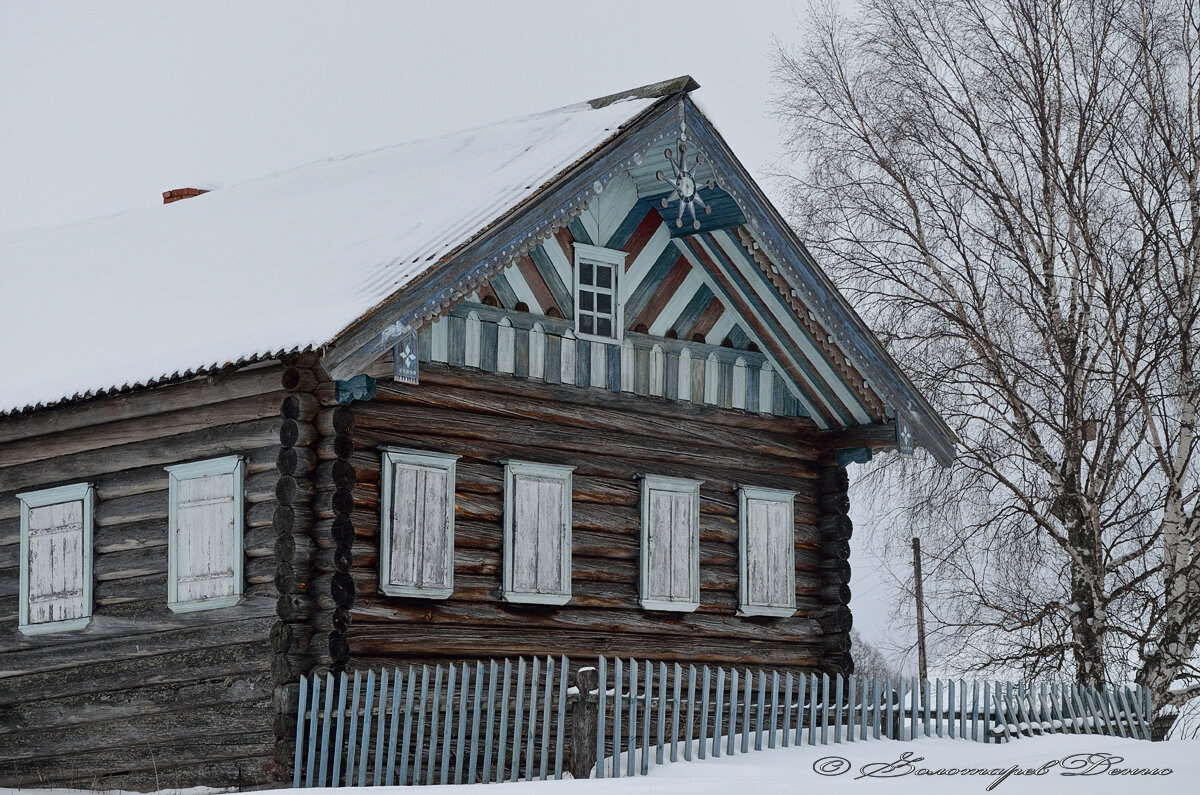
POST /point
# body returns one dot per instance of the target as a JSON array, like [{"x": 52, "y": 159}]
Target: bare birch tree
[{"x": 1009, "y": 189}]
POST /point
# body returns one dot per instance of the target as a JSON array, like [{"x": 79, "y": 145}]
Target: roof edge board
[
  {"x": 873, "y": 360},
  {"x": 663, "y": 88}
]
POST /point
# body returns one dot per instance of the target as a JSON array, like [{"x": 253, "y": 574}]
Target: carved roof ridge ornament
[{"x": 684, "y": 187}]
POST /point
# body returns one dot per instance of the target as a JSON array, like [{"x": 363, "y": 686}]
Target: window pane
[
  {"x": 586, "y": 325},
  {"x": 585, "y": 273},
  {"x": 585, "y": 300},
  {"x": 603, "y": 304},
  {"x": 603, "y": 276},
  {"x": 604, "y": 327}
]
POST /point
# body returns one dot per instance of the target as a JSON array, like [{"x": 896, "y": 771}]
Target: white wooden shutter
[
  {"x": 56, "y": 555},
  {"x": 205, "y": 555},
  {"x": 767, "y": 556},
  {"x": 417, "y": 524},
  {"x": 537, "y": 533},
  {"x": 670, "y": 542}
]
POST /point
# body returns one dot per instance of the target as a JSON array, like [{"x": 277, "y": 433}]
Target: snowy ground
[{"x": 1056, "y": 764}]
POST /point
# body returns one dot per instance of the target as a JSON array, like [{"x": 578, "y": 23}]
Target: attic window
[{"x": 598, "y": 311}]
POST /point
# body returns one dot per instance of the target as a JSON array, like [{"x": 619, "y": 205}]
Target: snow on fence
[{"x": 513, "y": 720}]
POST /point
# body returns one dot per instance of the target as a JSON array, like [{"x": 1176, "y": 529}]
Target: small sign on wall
[
  {"x": 904, "y": 435},
  {"x": 405, "y": 368}
]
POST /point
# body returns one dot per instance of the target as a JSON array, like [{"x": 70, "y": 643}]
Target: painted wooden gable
[{"x": 703, "y": 319}]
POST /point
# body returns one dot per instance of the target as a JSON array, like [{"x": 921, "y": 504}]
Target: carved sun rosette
[{"x": 684, "y": 187}]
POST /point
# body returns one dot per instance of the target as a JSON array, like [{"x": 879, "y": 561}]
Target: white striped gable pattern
[{"x": 704, "y": 322}]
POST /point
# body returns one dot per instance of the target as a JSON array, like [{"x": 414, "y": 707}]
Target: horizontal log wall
[
  {"x": 143, "y": 698},
  {"x": 609, "y": 438}
]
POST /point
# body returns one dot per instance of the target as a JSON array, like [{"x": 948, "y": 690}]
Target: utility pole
[{"x": 923, "y": 671}]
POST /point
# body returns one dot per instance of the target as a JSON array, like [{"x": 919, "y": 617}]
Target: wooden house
[{"x": 562, "y": 384}]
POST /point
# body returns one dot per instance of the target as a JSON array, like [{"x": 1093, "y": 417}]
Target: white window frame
[
  {"x": 226, "y": 465},
  {"x": 418, "y": 458},
  {"x": 691, "y": 488},
  {"x": 75, "y": 492},
  {"x": 596, "y": 255},
  {"x": 513, "y": 469},
  {"x": 745, "y": 494}
]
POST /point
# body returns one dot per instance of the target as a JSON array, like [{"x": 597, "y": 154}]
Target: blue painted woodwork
[
  {"x": 725, "y": 212},
  {"x": 360, "y": 387}
]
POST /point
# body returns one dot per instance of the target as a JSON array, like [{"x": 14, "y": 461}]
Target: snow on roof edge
[
  {"x": 504, "y": 208},
  {"x": 165, "y": 379}
]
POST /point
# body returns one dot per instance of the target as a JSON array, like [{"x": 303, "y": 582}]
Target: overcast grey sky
[
  {"x": 106, "y": 105},
  {"x": 103, "y": 106}
]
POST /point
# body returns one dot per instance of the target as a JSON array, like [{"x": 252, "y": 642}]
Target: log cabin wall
[
  {"x": 609, "y": 438},
  {"x": 146, "y": 698}
]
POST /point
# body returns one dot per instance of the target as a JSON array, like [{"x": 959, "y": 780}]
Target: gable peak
[{"x": 664, "y": 88}]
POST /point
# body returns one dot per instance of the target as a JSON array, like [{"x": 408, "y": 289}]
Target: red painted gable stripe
[
  {"x": 641, "y": 236},
  {"x": 665, "y": 292},
  {"x": 768, "y": 339},
  {"x": 708, "y": 318},
  {"x": 533, "y": 278},
  {"x": 567, "y": 243},
  {"x": 485, "y": 290}
]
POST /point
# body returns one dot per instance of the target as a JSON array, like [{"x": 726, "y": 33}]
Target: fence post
[{"x": 582, "y": 742}]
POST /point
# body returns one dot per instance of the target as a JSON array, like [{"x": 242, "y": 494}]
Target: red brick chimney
[{"x": 182, "y": 193}]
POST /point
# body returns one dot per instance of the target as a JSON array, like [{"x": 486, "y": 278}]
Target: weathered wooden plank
[
  {"x": 564, "y": 669},
  {"x": 218, "y": 757},
  {"x": 409, "y": 692},
  {"x": 393, "y": 752},
  {"x": 435, "y": 714},
  {"x": 719, "y": 709},
  {"x": 518, "y": 721},
  {"x": 787, "y": 711},
  {"x": 502, "y": 743},
  {"x": 422, "y": 706},
  {"x": 24, "y": 451},
  {"x": 107, "y": 640},
  {"x": 601, "y": 712},
  {"x": 632, "y": 734},
  {"x": 444, "y": 384},
  {"x": 180, "y": 725},
  {"x": 380, "y": 724},
  {"x": 207, "y": 443},
  {"x": 191, "y": 394},
  {"x": 618, "y": 707},
  {"x": 475, "y": 708}
]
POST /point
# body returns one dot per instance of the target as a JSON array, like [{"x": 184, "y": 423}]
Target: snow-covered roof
[{"x": 275, "y": 264}]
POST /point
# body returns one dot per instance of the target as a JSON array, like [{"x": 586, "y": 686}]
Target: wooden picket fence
[{"x": 513, "y": 720}]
